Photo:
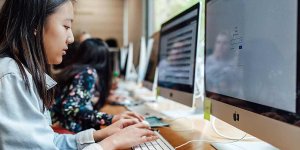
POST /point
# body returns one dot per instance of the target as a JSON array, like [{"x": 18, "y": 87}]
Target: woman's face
[
  {"x": 222, "y": 46},
  {"x": 57, "y": 33}
]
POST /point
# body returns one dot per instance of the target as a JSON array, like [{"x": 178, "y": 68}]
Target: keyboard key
[
  {"x": 145, "y": 148},
  {"x": 137, "y": 148},
  {"x": 162, "y": 144},
  {"x": 159, "y": 144},
  {"x": 148, "y": 144}
]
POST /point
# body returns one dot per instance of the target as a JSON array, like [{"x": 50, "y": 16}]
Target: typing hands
[
  {"x": 128, "y": 115},
  {"x": 128, "y": 137}
]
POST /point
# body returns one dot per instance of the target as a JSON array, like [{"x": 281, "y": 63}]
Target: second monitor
[
  {"x": 177, "y": 56},
  {"x": 252, "y": 68}
]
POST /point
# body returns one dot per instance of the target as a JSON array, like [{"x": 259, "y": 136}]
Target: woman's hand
[
  {"x": 128, "y": 115},
  {"x": 113, "y": 128},
  {"x": 129, "y": 137}
]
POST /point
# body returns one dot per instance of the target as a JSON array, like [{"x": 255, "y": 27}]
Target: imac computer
[
  {"x": 129, "y": 65},
  {"x": 123, "y": 57},
  {"x": 145, "y": 52},
  {"x": 177, "y": 56},
  {"x": 252, "y": 67}
]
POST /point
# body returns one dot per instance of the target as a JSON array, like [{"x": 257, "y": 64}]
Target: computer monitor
[
  {"x": 252, "y": 67},
  {"x": 152, "y": 64},
  {"x": 123, "y": 57},
  {"x": 145, "y": 51},
  {"x": 177, "y": 56},
  {"x": 131, "y": 73}
]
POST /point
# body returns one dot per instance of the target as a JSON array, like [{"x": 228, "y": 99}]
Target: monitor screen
[
  {"x": 177, "y": 51},
  {"x": 251, "y": 55}
]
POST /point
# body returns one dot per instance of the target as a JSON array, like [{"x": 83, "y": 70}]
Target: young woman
[
  {"x": 34, "y": 34},
  {"x": 83, "y": 89}
]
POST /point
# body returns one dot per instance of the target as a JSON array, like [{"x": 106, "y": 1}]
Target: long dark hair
[
  {"x": 21, "y": 38},
  {"x": 91, "y": 53}
]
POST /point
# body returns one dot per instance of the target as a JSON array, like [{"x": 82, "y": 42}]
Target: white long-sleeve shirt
[{"x": 23, "y": 125}]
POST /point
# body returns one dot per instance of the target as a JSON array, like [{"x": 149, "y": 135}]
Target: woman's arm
[{"x": 22, "y": 123}]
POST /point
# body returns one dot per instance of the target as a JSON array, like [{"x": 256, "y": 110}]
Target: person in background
[
  {"x": 84, "y": 36},
  {"x": 68, "y": 58},
  {"x": 112, "y": 43},
  {"x": 83, "y": 89},
  {"x": 33, "y": 35},
  {"x": 222, "y": 73}
]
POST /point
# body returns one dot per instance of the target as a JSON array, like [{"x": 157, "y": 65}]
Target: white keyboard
[{"x": 159, "y": 144}]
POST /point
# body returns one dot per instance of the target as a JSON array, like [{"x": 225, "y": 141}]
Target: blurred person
[
  {"x": 84, "y": 36},
  {"x": 112, "y": 43},
  {"x": 84, "y": 88},
  {"x": 221, "y": 74}
]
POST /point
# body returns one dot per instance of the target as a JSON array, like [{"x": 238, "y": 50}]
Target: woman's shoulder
[
  {"x": 87, "y": 77},
  {"x": 87, "y": 72},
  {"x": 8, "y": 67}
]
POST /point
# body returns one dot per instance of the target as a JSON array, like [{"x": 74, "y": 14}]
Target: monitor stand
[
  {"x": 244, "y": 145},
  {"x": 248, "y": 142},
  {"x": 185, "y": 111}
]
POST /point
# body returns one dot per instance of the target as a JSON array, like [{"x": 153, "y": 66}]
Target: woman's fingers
[
  {"x": 148, "y": 138},
  {"x": 129, "y": 122},
  {"x": 147, "y": 135},
  {"x": 134, "y": 115},
  {"x": 141, "y": 126}
]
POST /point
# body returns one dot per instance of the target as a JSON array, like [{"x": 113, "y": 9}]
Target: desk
[{"x": 202, "y": 129}]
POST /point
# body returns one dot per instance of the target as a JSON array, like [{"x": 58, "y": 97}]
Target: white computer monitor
[
  {"x": 145, "y": 52},
  {"x": 142, "y": 60},
  {"x": 123, "y": 60},
  {"x": 177, "y": 56},
  {"x": 252, "y": 67},
  {"x": 149, "y": 82},
  {"x": 131, "y": 73}
]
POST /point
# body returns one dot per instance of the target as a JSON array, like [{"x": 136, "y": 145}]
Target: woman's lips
[{"x": 64, "y": 52}]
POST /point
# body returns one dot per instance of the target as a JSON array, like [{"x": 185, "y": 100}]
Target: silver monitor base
[{"x": 244, "y": 145}]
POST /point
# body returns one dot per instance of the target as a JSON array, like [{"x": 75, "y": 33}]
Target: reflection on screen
[
  {"x": 251, "y": 55},
  {"x": 177, "y": 50}
]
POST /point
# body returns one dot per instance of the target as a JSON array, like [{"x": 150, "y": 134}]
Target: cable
[
  {"x": 233, "y": 141},
  {"x": 213, "y": 121},
  {"x": 192, "y": 126}
]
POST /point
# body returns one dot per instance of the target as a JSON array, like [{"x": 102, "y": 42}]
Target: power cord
[
  {"x": 213, "y": 121},
  {"x": 208, "y": 141},
  {"x": 232, "y": 139}
]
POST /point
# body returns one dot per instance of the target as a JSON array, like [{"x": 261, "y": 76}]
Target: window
[{"x": 167, "y": 9}]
